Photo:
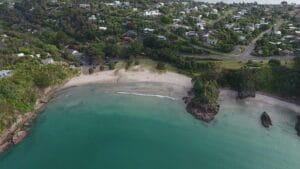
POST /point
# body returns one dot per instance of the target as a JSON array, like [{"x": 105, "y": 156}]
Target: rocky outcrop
[
  {"x": 245, "y": 94},
  {"x": 203, "y": 112},
  {"x": 16, "y": 133},
  {"x": 297, "y": 127},
  {"x": 266, "y": 120},
  {"x": 19, "y": 136}
]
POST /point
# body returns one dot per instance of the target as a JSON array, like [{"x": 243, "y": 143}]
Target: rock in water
[
  {"x": 266, "y": 120},
  {"x": 203, "y": 112},
  {"x": 297, "y": 127}
]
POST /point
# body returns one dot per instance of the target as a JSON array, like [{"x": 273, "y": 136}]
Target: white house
[
  {"x": 84, "y": 5},
  {"x": 21, "y": 55},
  {"x": 152, "y": 13},
  {"x": 215, "y": 11},
  {"x": 278, "y": 33},
  {"x": 201, "y": 25},
  {"x": 148, "y": 30},
  {"x": 5, "y": 73},
  {"x": 242, "y": 38},
  {"x": 191, "y": 34},
  {"x": 176, "y": 20},
  {"x": 102, "y": 28},
  {"x": 229, "y": 26},
  {"x": 92, "y": 18},
  {"x": 209, "y": 40},
  {"x": 48, "y": 61},
  {"x": 177, "y": 26},
  {"x": 161, "y": 37}
]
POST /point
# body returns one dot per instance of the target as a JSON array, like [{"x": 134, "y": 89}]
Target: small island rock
[{"x": 266, "y": 120}]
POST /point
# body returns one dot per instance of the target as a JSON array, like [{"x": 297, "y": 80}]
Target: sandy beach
[
  {"x": 137, "y": 74},
  {"x": 168, "y": 83},
  {"x": 260, "y": 98}
]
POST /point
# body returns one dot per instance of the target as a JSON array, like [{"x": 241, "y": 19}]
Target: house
[
  {"x": 229, "y": 26},
  {"x": 182, "y": 12},
  {"x": 152, "y": 13},
  {"x": 257, "y": 26},
  {"x": 251, "y": 28},
  {"x": 236, "y": 29},
  {"x": 102, "y": 28},
  {"x": 48, "y": 61},
  {"x": 201, "y": 25},
  {"x": 297, "y": 18},
  {"x": 21, "y": 55},
  {"x": 275, "y": 43},
  {"x": 5, "y": 73},
  {"x": 161, "y": 37},
  {"x": 191, "y": 34},
  {"x": 130, "y": 34},
  {"x": 242, "y": 37},
  {"x": 278, "y": 33},
  {"x": 84, "y": 5},
  {"x": 203, "y": 6},
  {"x": 148, "y": 31},
  {"x": 177, "y": 26},
  {"x": 215, "y": 11},
  {"x": 237, "y": 17},
  {"x": 177, "y": 20},
  {"x": 209, "y": 40},
  {"x": 92, "y": 18}
]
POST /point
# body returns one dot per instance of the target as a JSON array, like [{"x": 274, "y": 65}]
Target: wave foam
[{"x": 147, "y": 95}]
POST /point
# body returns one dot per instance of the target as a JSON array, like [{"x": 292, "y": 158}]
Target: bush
[{"x": 160, "y": 66}]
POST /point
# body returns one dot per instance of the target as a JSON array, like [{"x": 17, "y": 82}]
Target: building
[
  {"x": 84, "y": 5},
  {"x": 102, "y": 28},
  {"x": 92, "y": 18},
  {"x": 48, "y": 61},
  {"x": 284, "y": 6},
  {"x": 130, "y": 34},
  {"x": 161, "y": 37},
  {"x": 5, "y": 73},
  {"x": 20, "y": 55},
  {"x": 191, "y": 34},
  {"x": 148, "y": 31},
  {"x": 152, "y": 13}
]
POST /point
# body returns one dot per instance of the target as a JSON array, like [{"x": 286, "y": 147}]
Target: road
[{"x": 246, "y": 54}]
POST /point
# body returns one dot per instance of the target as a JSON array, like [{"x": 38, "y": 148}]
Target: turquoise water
[{"x": 87, "y": 128}]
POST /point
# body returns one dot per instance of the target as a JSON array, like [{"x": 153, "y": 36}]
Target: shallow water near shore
[{"x": 91, "y": 127}]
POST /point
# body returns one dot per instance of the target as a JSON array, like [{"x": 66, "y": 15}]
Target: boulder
[{"x": 266, "y": 120}]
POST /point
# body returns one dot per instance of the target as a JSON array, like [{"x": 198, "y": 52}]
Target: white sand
[
  {"x": 261, "y": 98},
  {"x": 135, "y": 75},
  {"x": 179, "y": 81}
]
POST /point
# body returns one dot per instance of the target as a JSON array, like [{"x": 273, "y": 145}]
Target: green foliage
[
  {"x": 206, "y": 91},
  {"x": 160, "y": 66},
  {"x": 19, "y": 92},
  {"x": 166, "y": 19}
]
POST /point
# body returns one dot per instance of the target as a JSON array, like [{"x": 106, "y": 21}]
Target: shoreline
[
  {"x": 20, "y": 128},
  {"x": 167, "y": 85},
  {"x": 262, "y": 98}
]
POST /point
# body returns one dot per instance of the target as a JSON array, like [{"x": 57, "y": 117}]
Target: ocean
[{"x": 92, "y": 128}]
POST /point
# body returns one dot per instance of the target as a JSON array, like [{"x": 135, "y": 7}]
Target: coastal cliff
[
  {"x": 19, "y": 129},
  {"x": 202, "y": 100}
]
